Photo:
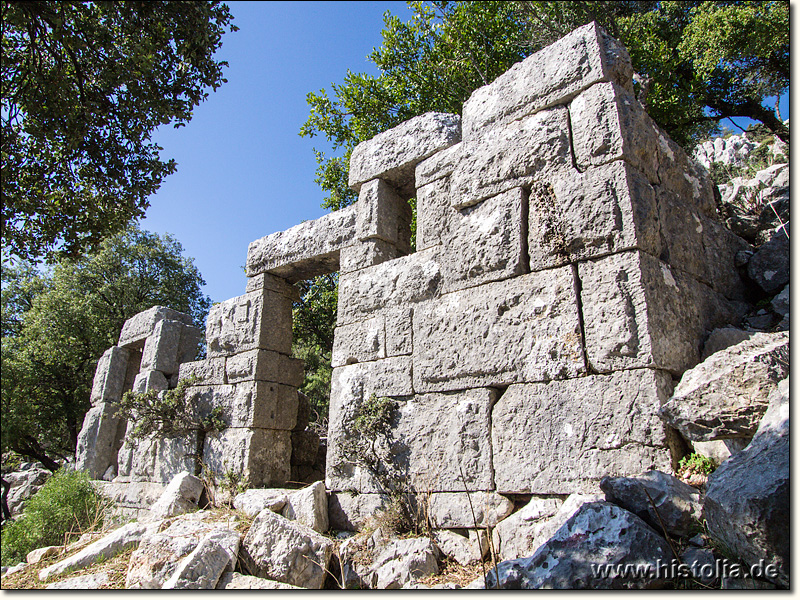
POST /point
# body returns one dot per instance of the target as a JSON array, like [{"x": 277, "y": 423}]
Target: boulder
[
  {"x": 726, "y": 395},
  {"x": 180, "y": 496},
  {"x": 24, "y": 484},
  {"x": 34, "y": 556},
  {"x": 769, "y": 266},
  {"x": 378, "y": 562},
  {"x": 349, "y": 511},
  {"x": 464, "y": 549},
  {"x": 747, "y": 500},
  {"x": 724, "y": 337},
  {"x": 202, "y": 568},
  {"x": 253, "y": 501},
  {"x": 309, "y": 507}
]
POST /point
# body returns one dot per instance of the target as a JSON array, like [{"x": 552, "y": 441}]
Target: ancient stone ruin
[{"x": 568, "y": 266}]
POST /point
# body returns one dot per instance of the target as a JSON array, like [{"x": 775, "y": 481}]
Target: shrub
[{"x": 67, "y": 503}]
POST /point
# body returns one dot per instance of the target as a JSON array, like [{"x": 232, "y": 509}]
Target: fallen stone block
[
  {"x": 455, "y": 510},
  {"x": 722, "y": 338},
  {"x": 39, "y": 554},
  {"x": 237, "y": 581},
  {"x": 253, "y": 501},
  {"x": 402, "y": 561},
  {"x": 465, "y": 550},
  {"x": 109, "y": 377},
  {"x": 82, "y": 582},
  {"x": 309, "y": 507},
  {"x": 180, "y": 496},
  {"x": 202, "y": 568}
]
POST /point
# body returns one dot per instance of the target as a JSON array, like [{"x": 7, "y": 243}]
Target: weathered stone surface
[
  {"x": 459, "y": 548},
  {"x": 726, "y": 395},
  {"x": 132, "y": 494},
  {"x": 348, "y": 511},
  {"x": 210, "y": 371},
  {"x": 309, "y": 507},
  {"x": 150, "y": 380},
  {"x": 303, "y": 251},
  {"x": 24, "y": 484},
  {"x": 237, "y": 581},
  {"x": 180, "y": 496},
  {"x": 161, "y": 347},
  {"x": 640, "y": 312},
  {"x": 747, "y": 500},
  {"x": 382, "y": 214},
  {"x": 98, "y": 440},
  {"x": 438, "y": 166},
  {"x": 484, "y": 242},
  {"x": 262, "y": 454},
  {"x": 305, "y": 446},
  {"x": 462, "y": 339},
  {"x": 253, "y": 501},
  {"x": 399, "y": 282},
  {"x": 661, "y": 500},
  {"x": 603, "y": 210},
  {"x": 264, "y": 365},
  {"x": 562, "y": 437},
  {"x": 511, "y": 156},
  {"x": 256, "y": 320},
  {"x": 551, "y": 76},
  {"x": 82, "y": 582},
  {"x": 402, "y": 561},
  {"x": 359, "y": 342},
  {"x": 769, "y": 266},
  {"x": 720, "y": 450},
  {"x": 721, "y": 247},
  {"x": 283, "y": 550},
  {"x": 434, "y": 213},
  {"x": 156, "y": 459},
  {"x": 139, "y": 327},
  {"x": 455, "y": 510},
  {"x": 39, "y": 554},
  {"x": 367, "y": 253},
  {"x": 722, "y": 338},
  {"x": 393, "y": 154},
  {"x": 780, "y": 303},
  {"x": 202, "y": 568},
  {"x": 599, "y": 533},
  {"x": 109, "y": 377},
  {"x": 260, "y": 404},
  {"x": 272, "y": 283}
]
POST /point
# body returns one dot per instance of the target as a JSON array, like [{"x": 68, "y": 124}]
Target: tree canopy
[
  {"x": 57, "y": 324},
  {"x": 84, "y": 85}
]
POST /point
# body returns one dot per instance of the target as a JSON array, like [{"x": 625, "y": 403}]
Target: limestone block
[
  {"x": 138, "y": 494},
  {"x": 210, "y": 371},
  {"x": 237, "y": 581},
  {"x": 262, "y": 455},
  {"x": 393, "y": 154},
  {"x": 367, "y": 253},
  {"x": 603, "y": 210},
  {"x": 562, "y": 437},
  {"x": 359, "y": 342},
  {"x": 639, "y": 312},
  {"x": 309, "y": 507},
  {"x": 684, "y": 231},
  {"x": 402, "y": 561},
  {"x": 202, "y": 568},
  {"x": 550, "y": 76},
  {"x": 150, "y": 380},
  {"x": 94, "y": 581},
  {"x": 260, "y": 404},
  {"x": 462, "y": 340},
  {"x": 140, "y": 327},
  {"x": 484, "y": 242},
  {"x": 434, "y": 213},
  {"x": 457, "y": 547},
  {"x": 398, "y": 326},
  {"x": 608, "y": 123},
  {"x": 382, "y": 214},
  {"x": 399, "y": 282},
  {"x": 253, "y": 501},
  {"x": 156, "y": 459},
  {"x": 685, "y": 176},
  {"x": 191, "y": 338},
  {"x": 519, "y": 535},
  {"x": 256, "y": 320},
  {"x": 455, "y": 510},
  {"x": 98, "y": 441},
  {"x": 180, "y": 496},
  {"x": 109, "y": 376},
  {"x": 264, "y": 365},
  {"x": 350, "y": 511},
  {"x": 303, "y": 251},
  {"x": 511, "y": 156},
  {"x": 266, "y": 281}
]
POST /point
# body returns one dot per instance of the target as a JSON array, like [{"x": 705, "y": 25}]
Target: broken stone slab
[
  {"x": 264, "y": 365},
  {"x": 109, "y": 377},
  {"x": 303, "y": 251},
  {"x": 253, "y": 501},
  {"x": 402, "y": 561},
  {"x": 210, "y": 371},
  {"x": 382, "y": 214},
  {"x": 180, "y": 496},
  {"x": 718, "y": 451},
  {"x": 769, "y": 266},
  {"x": 287, "y": 551},
  {"x": 726, "y": 395},
  {"x": 135, "y": 495},
  {"x": 553, "y": 75},
  {"x": 150, "y": 380},
  {"x": 202, "y": 568},
  {"x": 350, "y": 511},
  {"x": 262, "y": 455},
  {"x": 256, "y": 320},
  {"x": 640, "y": 312},
  {"x": 309, "y": 507},
  {"x": 598, "y": 534},
  {"x": 393, "y": 154},
  {"x": 747, "y": 502},
  {"x": 367, "y": 253},
  {"x": 139, "y": 327},
  {"x": 98, "y": 440},
  {"x": 237, "y": 581},
  {"x": 272, "y": 283},
  {"x": 562, "y": 437},
  {"x": 461, "y": 340},
  {"x": 82, "y": 582},
  {"x": 397, "y": 283},
  {"x": 661, "y": 500},
  {"x": 449, "y": 510},
  {"x": 465, "y": 550}
]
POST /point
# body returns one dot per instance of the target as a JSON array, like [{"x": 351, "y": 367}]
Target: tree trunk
[{"x": 31, "y": 448}]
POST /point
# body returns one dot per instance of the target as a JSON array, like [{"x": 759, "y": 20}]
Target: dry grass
[{"x": 452, "y": 572}]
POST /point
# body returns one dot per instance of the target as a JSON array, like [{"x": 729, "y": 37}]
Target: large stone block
[
  {"x": 393, "y": 155},
  {"x": 349, "y": 511},
  {"x": 639, "y": 312},
  {"x": 385, "y": 335},
  {"x": 161, "y": 347},
  {"x": 261, "y": 455},
  {"x": 272, "y": 283},
  {"x": 150, "y": 380},
  {"x": 551, "y": 76},
  {"x": 264, "y": 365},
  {"x": 303, "y": 251},
  {"x": 367, "y": 253},
  {"x": 399, "y": 282},
  {"x": 587, "y": 214},
  {"x": 256, "y": 320},
  {"x": 157, "y": 459},
  {"x": 438, "y": 166},
  {"x": 382, "y": 214},
  {"x": 98, "y": 441},
  {"x": 434, "y": 213},
  {"x": 140, "y": 327},
  {"x": 511, "y": 156},
  {"x": 210, "y": 371},
  {"x": 260, "y": 404},
  {"x": 456, "y": 510},
  {"x": 109, "y": 376},
  {"x": 521, "y": 330},
  {"x": 562, "y": 437}
]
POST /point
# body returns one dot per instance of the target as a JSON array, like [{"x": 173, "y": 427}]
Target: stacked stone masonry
[{"x": 568, "y": 266}]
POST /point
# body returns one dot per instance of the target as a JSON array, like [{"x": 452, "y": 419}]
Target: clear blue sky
[{"x": 243, "y": 171}]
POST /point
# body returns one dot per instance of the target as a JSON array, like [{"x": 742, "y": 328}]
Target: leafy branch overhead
[{"x": 84, "y": 86}]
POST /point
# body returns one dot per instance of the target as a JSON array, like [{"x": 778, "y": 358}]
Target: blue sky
[{"x": 243, "y": 170}]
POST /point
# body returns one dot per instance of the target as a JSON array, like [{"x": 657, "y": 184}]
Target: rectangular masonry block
[
  {"x": 359, "y": 342},
  {"x": 158, "y": 459},
  {"x": 161, "y": 348},
  {"x": 438, "y": 166},
  {"x": 367, "y": 253},
  {"x": 150, "y": 380},
  {"x": 562, "y": 437},
  {"x": 98, "y": 441},
  {"x": 485, "y": 242},
  {"x": 139, "y": 327},
  {"x": 266, "y": 281},
  {"x": 265, "y": 365},
  {"x": 248, "y": 404},
  {"x": 521, "y": 330},
  {"x": 262, "y": 456},
  {"x": 393, "y": 154},
  {"x": 434, "y": 213},
  {"x": 109, "y": 376},
  {"x": 256, "y": 320},
  {"x": 210, "y": 371},
  {"x": 382, "y": 214},
  {"x": 548, "y": 77},
  {"x": 303, "y": 251},
  {"x": 684, "y": 176}
]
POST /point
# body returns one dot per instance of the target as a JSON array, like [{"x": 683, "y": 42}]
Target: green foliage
[
  {"x": 373, "y": 417},
  {"x": 62, "y": 319},
  {"x": 67, "y": 503},
  {"x": 85, "y": 84},
  {"x": 696, "y": 463}
]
